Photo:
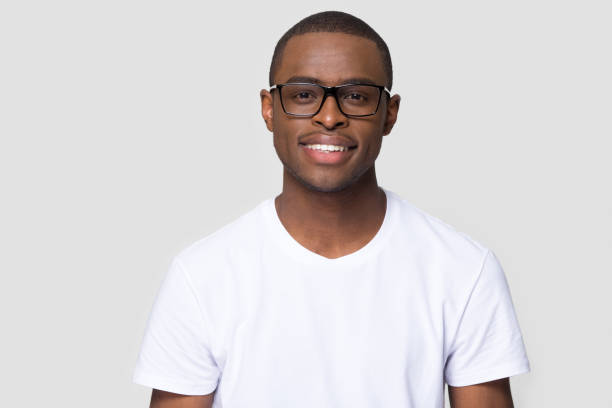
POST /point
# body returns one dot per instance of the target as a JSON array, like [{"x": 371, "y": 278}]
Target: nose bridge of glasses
[{"x": 333, "y": 92}]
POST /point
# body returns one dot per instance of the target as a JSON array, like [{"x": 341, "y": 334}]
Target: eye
[
  {"x": 304, "y": 95},
  {"x": 355, "y": 96}
]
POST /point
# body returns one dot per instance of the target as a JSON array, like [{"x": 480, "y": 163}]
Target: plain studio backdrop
[{"x": 130, "y": 129}]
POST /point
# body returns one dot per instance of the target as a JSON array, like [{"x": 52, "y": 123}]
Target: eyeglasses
[{"x": 306, "y": 99}]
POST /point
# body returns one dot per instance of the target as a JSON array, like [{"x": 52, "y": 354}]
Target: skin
[
  {"x": 492, "y": 394},
  {"x": 335, "y": 209},
  {"x": 163, "y": 399},
  {"x": 330, "y": 209}
]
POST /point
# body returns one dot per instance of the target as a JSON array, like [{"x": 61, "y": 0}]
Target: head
[{"x": 330, "y": 49}]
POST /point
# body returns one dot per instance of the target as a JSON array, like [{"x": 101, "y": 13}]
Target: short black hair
[{"x": 333, "y": 22}]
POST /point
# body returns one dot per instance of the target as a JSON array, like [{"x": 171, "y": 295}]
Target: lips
[
  {"x": 324, "y": 139},
  {"x": 326, "y": 156}
]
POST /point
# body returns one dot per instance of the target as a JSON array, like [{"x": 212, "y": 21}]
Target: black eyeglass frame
[{"x": 329, "y": 90}]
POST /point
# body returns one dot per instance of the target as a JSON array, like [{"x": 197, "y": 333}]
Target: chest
[{"x": 364, "y": 329}]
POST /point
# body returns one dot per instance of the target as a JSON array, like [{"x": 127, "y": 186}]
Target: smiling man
[{"x": 337, "y": 292}]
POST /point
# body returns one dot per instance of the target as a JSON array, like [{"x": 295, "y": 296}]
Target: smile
[
  {"x": 326, "y": 148},
  {"x": 327, "y": 154}
]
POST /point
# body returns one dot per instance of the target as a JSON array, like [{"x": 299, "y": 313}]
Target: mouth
[
  {"x": 327, "y": 148},
  {"x": 327, "y": 153}
]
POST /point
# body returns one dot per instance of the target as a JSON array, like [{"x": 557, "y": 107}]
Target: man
[{"x": 337, "y": 292}]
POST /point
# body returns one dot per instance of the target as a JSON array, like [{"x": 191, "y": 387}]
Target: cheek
[
  {"x": 280, "y": 145},
  {"x": 279, "y": 120},
  {"x": 287, "y": 130},
  {"x": 283, "y": 138},
  {"x": 372, "y": 130},
  {"x": 374, "y": 140}
]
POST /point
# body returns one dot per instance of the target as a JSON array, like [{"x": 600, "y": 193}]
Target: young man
[{"x": 337, "y": 292}]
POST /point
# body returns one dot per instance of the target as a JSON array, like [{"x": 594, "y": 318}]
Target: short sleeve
[
  {"x": 488, "y": 344},
  {"x": 175, "y": 353}
]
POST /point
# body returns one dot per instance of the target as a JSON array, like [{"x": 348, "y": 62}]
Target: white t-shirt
[{"x": 250, "y": 312}]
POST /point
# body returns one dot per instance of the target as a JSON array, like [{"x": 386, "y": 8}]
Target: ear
[
  {"x": 392, "y": 109},
  {"x": 267, "y": 108}
]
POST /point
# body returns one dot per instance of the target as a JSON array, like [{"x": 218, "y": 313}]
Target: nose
[{"x": 329, "y": 116}]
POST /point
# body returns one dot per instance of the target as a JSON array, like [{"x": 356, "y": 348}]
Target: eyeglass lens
[{"x": 304, "y": 99}]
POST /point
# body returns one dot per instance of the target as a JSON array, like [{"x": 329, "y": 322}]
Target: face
[{"x": 329, "y": 59}]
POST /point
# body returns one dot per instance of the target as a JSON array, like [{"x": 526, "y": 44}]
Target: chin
[
  {"x": 324, "y": 187},
  {"x": 321, "y": 184}
]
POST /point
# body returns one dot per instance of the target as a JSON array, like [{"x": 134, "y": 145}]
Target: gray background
[{"x": 130, "y": 129}]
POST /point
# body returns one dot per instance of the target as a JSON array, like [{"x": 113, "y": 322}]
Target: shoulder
[
  {"x": 445, "y": 252},
  {"x": 222, "y": 245},
  {"x": 433, "y": 231}
]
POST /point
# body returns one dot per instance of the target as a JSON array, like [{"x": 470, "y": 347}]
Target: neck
[{"x": 336, "y": 223}]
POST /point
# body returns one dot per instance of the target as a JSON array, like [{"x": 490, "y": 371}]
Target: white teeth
[{"x": 327, "y": 148}]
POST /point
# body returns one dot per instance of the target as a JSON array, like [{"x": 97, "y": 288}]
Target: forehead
[{"x": 332, "y": 58}]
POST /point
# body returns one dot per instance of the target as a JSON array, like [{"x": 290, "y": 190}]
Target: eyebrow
[{"x": 356, "y": 80}]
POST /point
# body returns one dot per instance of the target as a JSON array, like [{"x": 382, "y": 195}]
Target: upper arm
[
  {"x": 164, "y": 399},
  {"x": 176, "y": 353},
  {"x": 487, "y": 342},
  {"x": 485, "y": 395}
]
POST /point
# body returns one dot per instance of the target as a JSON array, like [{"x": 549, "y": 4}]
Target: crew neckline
[{"x": 301, "y": 253}]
